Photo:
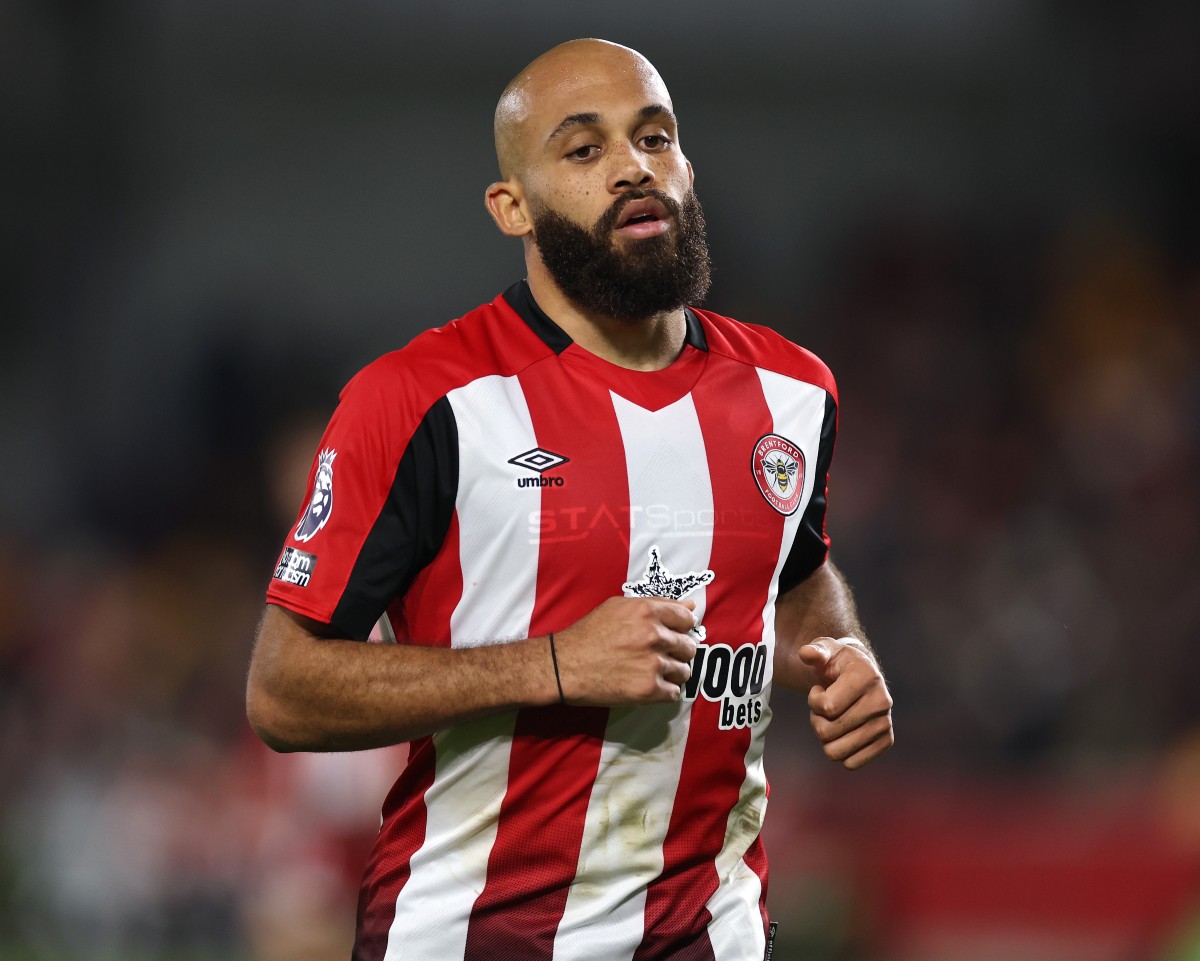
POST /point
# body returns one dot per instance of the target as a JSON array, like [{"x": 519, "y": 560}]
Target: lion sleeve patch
[{"x": 320, "y": 506}]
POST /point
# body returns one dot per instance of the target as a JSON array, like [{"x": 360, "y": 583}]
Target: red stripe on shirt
[
  {"x": 556, "y": 751},
  {"x": 434, "y": 595},
  {"x": 729, "y": 403}
]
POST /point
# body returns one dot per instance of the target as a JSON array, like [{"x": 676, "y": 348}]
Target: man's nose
[{"x": 629, "y": 169}]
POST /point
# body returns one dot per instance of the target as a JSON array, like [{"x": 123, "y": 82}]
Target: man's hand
[
  {"x": 629, "y": 650},
  {"x": 851, "y": 709}
]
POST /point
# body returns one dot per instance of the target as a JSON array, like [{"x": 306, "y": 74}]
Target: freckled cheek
[{"x": 584, "y": 204}]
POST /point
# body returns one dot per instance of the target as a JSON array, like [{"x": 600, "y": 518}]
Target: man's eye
[
  {"x": 583, "y": 153},
  {"x": 654, "y": 141}
]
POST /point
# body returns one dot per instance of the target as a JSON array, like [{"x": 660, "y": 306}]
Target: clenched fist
[
  {"x": 629, "y": 650},
  {"x": 850, "y": 707}
]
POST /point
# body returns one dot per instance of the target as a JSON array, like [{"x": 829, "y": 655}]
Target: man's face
[{"x": 609, "y": 192}]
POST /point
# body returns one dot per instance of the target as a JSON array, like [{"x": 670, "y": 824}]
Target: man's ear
[{"x": 506, "y": 203}]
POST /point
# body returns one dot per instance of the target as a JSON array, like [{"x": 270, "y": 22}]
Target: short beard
[{"x": 653, "y": 275}]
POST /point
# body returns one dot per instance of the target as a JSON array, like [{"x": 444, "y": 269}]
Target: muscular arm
[
  {"x": 820, "y": 606},
  {"x": 821, "y": 650},
  {"x": 310, "y": 690}
]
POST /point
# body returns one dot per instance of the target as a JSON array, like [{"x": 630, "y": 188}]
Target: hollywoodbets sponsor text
[{"x": 732, "y": 677}]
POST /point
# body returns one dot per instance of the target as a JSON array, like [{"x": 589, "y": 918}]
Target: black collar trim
[
  {"x": 520, "y": 298},
  {"x": 695, "y": 331}
]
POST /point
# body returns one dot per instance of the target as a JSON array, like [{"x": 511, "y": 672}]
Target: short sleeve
[{"x": 380, "y": 499}]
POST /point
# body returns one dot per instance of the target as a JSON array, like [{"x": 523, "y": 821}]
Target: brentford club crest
[{"x": 778, "y": 467}]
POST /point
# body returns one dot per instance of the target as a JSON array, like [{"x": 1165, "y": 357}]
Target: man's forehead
[
  {"x": 582, "y": 77},
  {"x": 551, "y": 98}
]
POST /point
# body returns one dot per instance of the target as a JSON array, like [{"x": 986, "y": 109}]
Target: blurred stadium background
[{"x": 983, "y": 215}]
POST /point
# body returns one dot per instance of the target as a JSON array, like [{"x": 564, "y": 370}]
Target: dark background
[{"x": 982, "y": 215}]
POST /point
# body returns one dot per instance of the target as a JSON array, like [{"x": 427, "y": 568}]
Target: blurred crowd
[
  {"x": 1018, "y": 486},
  {"x": 142, "y": 818}
]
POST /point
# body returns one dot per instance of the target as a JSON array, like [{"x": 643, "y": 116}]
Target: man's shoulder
[
  {"x": 766, "y": 349},
  {"x": 490, "y": 340}
]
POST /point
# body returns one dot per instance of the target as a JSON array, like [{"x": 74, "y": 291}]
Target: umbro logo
[{"x": 540, "y": 461}]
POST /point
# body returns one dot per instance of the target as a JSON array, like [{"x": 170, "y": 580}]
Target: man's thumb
[{"x": 817, "y": 653}]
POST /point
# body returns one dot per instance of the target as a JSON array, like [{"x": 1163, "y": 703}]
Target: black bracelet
[{"x": 557, "y": 679}]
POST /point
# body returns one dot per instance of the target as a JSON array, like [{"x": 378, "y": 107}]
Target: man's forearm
[
  {"x": 309, "y": 693},
  {"x": 820, "y": 606}
]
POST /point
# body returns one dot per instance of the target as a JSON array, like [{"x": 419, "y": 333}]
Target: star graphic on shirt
[{"x": 658, "y": 582}]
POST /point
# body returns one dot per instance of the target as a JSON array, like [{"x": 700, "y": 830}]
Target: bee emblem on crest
[
  {"x": 778, "y": 467},
  {"x": 781, "y": 471}
]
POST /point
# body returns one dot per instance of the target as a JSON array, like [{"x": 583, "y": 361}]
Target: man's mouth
[{"x": 643, "y": 218}]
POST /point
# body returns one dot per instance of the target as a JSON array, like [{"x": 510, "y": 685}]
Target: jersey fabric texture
[{"x": 494, "y": 481}]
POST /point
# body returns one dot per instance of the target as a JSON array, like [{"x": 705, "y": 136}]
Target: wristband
[{"x": 557, "y": 679}]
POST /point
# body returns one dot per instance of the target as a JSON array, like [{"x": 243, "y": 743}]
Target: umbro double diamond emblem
[{"x": 539, "y": 461}]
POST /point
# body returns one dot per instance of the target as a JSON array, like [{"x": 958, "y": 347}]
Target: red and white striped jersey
[{"x": 494, "y": 481}]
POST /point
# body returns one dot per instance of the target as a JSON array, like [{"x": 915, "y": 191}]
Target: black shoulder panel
[{"x": 410, "y": 529}]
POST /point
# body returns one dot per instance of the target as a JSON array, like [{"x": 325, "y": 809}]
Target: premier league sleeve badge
[{"x": 321, "y": 505}]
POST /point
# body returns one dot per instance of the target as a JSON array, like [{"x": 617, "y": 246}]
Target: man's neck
[{"x": 649, "y": 344}]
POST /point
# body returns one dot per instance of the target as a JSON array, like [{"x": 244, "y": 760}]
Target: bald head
[{"x": 533, "y": 99}]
